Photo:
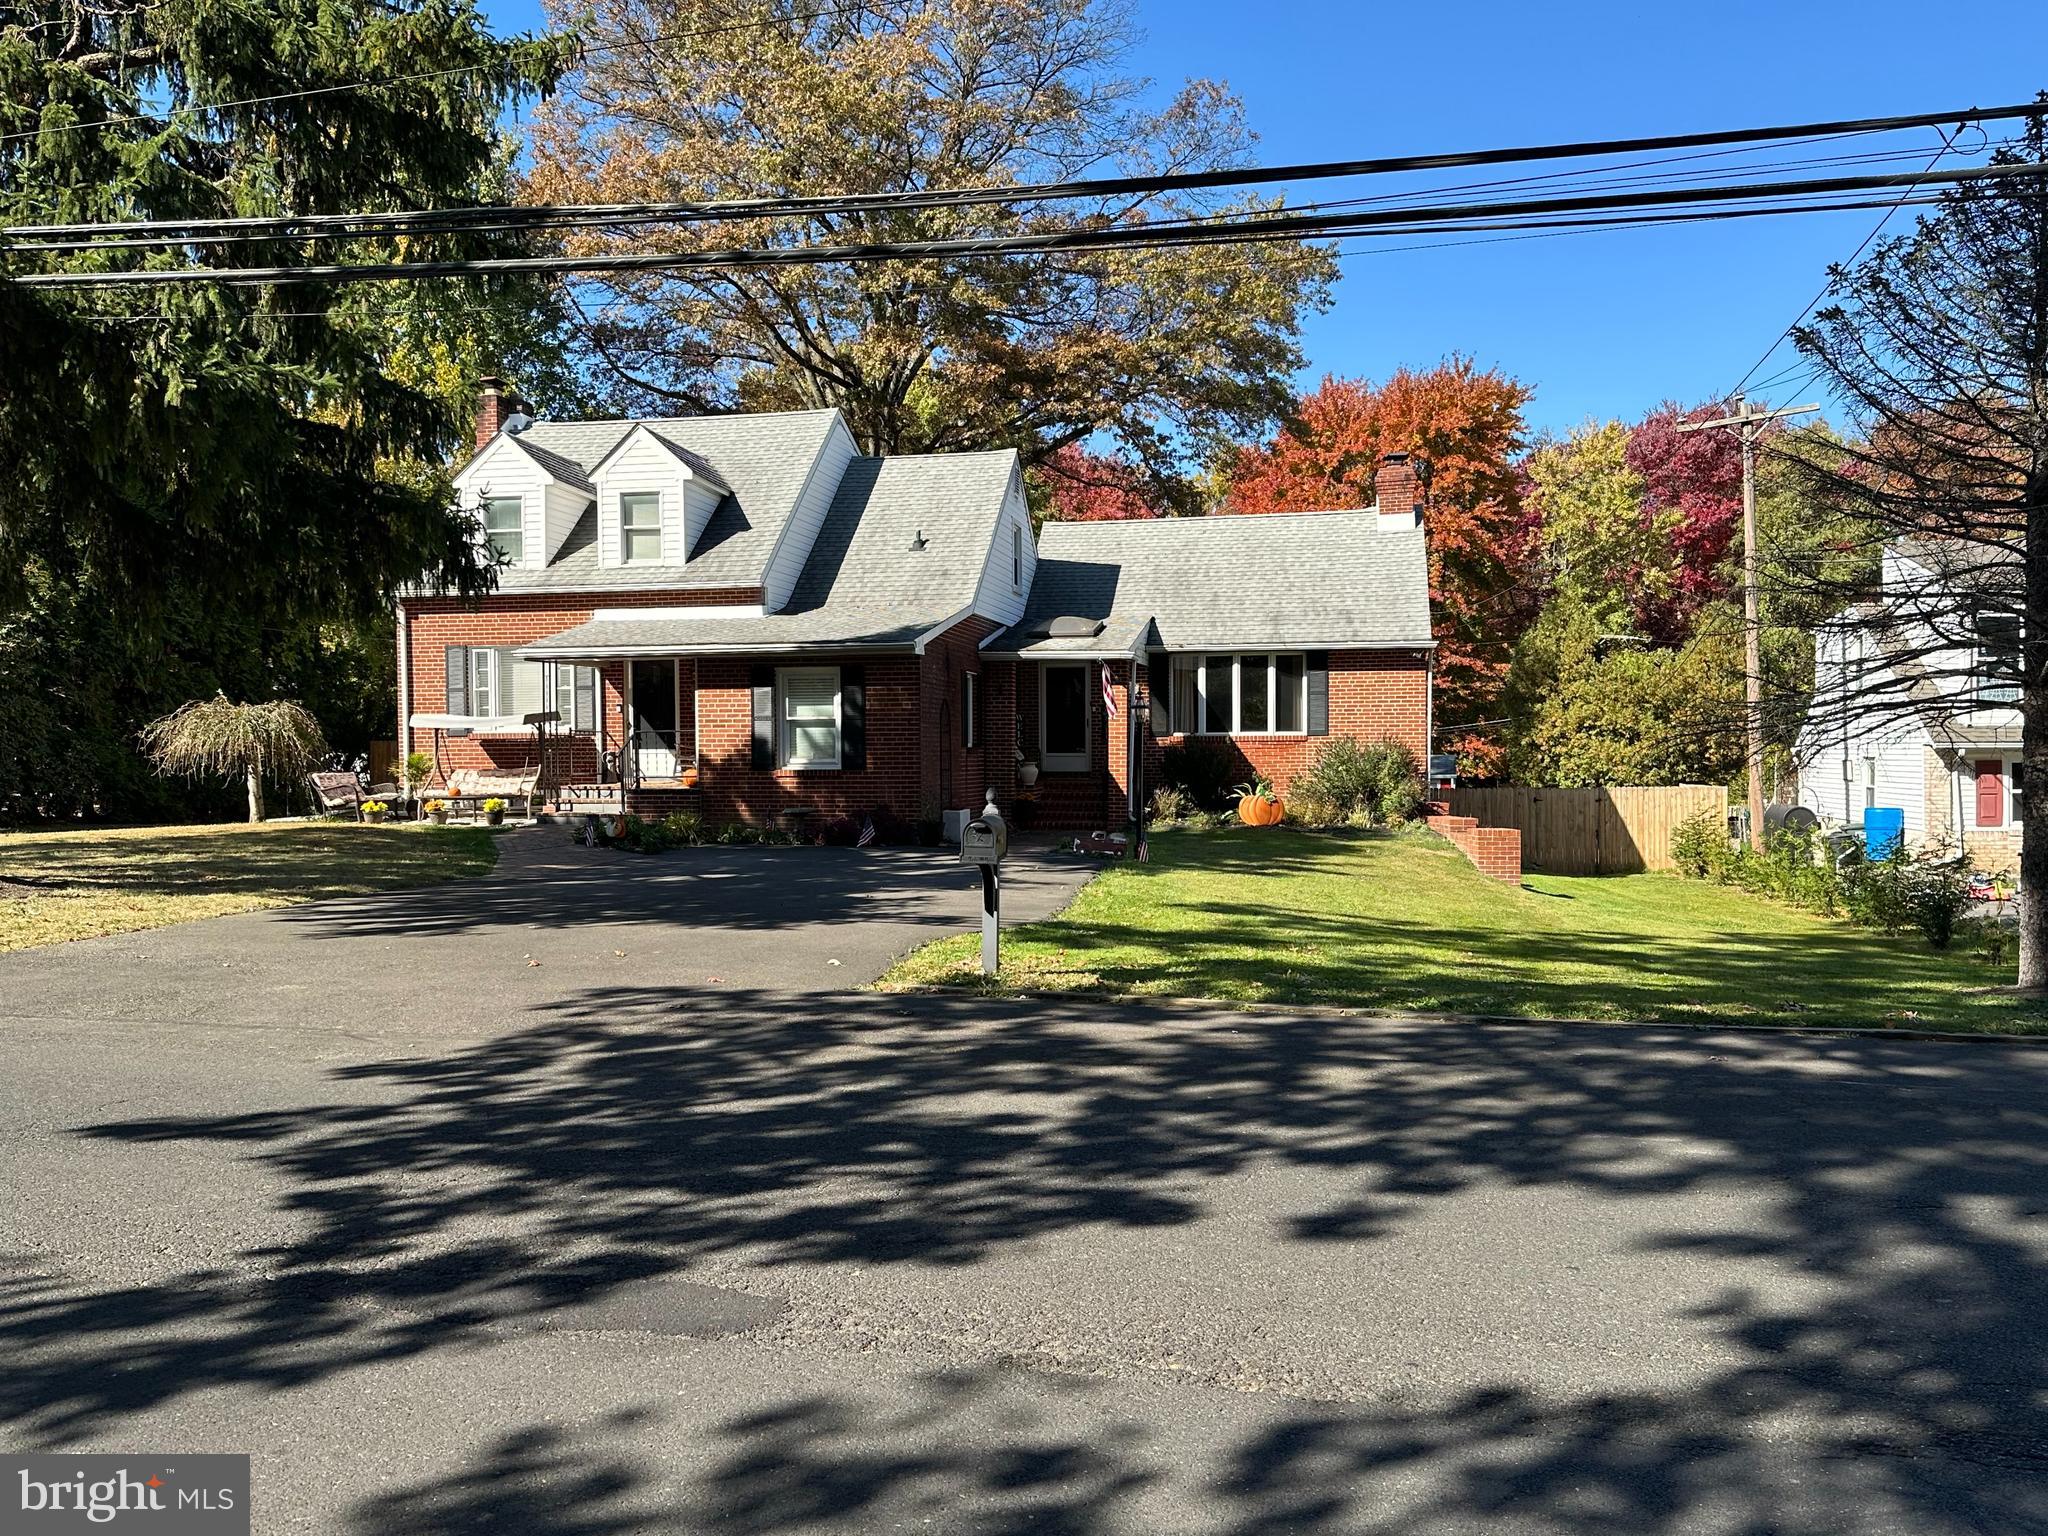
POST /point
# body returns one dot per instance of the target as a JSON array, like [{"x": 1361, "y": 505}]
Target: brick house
[{"x": 744, "y": 614}]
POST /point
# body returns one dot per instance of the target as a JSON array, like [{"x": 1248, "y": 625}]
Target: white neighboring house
[{"x": 1916, "y": 704}]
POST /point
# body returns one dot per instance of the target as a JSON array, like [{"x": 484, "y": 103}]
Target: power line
[
  {"x": 370, "y": 226},
  {"x": 1098, "y": 187},
  {"x": 1527, "y": 213},
  {"x": 1948, "y": 143}
]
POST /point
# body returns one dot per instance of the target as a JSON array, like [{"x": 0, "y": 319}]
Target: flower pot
[
  {"x": 1027, "y": 774},
  {"x": 1257, "y": 811},
  {"x": 373, "y": 817},
  {"x": 440, "y": 818},
  {"x": 495, "y": 818}
]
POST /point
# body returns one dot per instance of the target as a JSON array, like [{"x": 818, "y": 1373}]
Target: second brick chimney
[
  {"x": 491, "y": 409},
  {"x": 1398, "y": 490}
]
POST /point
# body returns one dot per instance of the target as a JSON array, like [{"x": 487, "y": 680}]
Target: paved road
[{"x": 455, "y": 1242}]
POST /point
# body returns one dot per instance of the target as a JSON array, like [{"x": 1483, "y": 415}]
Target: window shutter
[
  {"x": 1159, "y": 692},
  {"x": 853, "y": 719},
  {"x": 1319, "y": 693},
  {"x": 458, "y": 679},
  {"x": 764, "y": 716},
  {"x": 966, "y": 710},
  {"x": 584, "y": 707},
  {"x": 1990, "y": 794}
]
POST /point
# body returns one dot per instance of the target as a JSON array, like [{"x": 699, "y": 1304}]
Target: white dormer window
[
  {"x": 504, "y": 531},
  {"x": 640, "y": 527}
]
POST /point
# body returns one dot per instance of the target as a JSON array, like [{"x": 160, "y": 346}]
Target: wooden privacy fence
[{"x": 1617, "y": 831}]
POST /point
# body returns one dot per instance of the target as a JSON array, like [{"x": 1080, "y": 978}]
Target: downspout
[{"x": 404, "y": 688}]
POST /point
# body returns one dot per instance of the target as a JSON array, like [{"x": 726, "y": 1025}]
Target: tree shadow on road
[{"x": 626, "y": 1136}]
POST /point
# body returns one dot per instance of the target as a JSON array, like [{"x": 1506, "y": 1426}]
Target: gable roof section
[
  {"x": 1300, "y": 579},
  {"x": 863, "y": 587},
  {"x": 567, "y": 471},
  {"x": 761, "y": 462}
]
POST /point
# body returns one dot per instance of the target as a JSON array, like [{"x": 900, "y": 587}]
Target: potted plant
[
  {"x": 494, "y": 811},
  {"x": 375, "y": 810},
  {"x": 437, "y": 812},
  {"x": 1027, "y": 771},
  {"x": 1257, "y": 805}
]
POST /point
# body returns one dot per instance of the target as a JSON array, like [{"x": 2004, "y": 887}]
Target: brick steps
[{"x": 1495, "y": 851}]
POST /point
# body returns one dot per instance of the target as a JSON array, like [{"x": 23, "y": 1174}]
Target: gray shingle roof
[
  {"x": 1320, "y": 579},
  {"x": 863, "y": 586},
  {"x": 568, "y": 471},
  {"x": 762, "y": 461}
]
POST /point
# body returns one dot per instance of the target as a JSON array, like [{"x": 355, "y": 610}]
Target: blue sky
[{"x": 1597, "y": 324}]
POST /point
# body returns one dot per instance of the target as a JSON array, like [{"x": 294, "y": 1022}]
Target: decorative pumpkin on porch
[{"x": 1257, "y": 805}]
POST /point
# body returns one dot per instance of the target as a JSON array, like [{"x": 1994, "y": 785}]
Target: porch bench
[{"x": 470, "y": 788}]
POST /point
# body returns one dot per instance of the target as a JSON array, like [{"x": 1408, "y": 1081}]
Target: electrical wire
[{"x": 1526, "y": 213}]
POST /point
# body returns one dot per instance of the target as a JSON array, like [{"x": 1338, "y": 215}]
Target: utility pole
[{"x": 1749, "y": 423}]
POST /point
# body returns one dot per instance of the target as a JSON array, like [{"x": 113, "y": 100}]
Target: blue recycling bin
[{"x": 1884, "y": 831}]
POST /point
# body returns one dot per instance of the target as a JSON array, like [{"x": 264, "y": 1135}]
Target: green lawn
[
  {"x": 1402, "y": 921},
  {"x": 57, "y": 886}
]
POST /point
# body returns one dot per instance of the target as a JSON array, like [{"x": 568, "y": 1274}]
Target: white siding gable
[
  {"x": 807, "y": 518},
  {"x": 503, "y": 470},
  {"x": 642, "y": 464},
  {"x": 1843, "y": 751},
  {"x": 1001, "y": 596}
]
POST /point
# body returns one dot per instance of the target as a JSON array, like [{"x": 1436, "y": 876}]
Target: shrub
[
  {"x": 1310, "y": 807},
  {"x": 1699, "y": 845},
  {"x": 1171, "y": 803},
  {"x": 1939, "y": 895},
  {"x": 1382, "y": 780},
  {"x": 731, "y": 833},
  {"x": 1200, "y": 769}
]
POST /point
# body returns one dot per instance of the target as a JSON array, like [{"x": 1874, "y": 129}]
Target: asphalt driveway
[{"x": 453, "y": 1241}]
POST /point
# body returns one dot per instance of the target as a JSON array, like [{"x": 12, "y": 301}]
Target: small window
[
  {"x": 1016, "y": 558},
  {"x": 640, "y": 527},
  {"x": 483, "y": 682},
  {"x": 1182, "y": 712},
  {"x": 1254, "y": 693},
  {"x": 810, "y": 717},
  {"x": 1999, "y": 658},
  {"x": 504, "y": 531},
  {"x": 572, "y": 684},
  {"x": 970, "y": 710},
  {"x": 1219, "y": 695},
  {"x": 1290, "y": 693}
]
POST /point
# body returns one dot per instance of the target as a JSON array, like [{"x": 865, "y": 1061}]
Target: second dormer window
[
  {"x": 640, "y": 527},
  {"x": 502, "y": 528}
]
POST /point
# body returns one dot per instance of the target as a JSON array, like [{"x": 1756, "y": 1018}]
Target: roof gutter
[{"x": 540, "y": 652}]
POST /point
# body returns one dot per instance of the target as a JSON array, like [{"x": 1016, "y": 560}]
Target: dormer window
[
  {"x": 640, "y": 527},
  {"x": 1999, "y": 658},
  {"x": 1016, "y": 558},
  {"x": 504, "y": 530}
]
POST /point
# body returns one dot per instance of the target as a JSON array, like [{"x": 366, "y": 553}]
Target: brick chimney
[
  {"x": 491, "y": 409},
  {"x": 1398, "y": 490}
]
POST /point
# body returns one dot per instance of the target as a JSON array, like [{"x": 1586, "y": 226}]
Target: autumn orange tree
[{"x": 1465, "y": 423}]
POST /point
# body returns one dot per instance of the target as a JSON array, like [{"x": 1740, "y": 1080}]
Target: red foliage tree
[
  {"x": 1084, "y": 487},
  {"x": 1466, "y": 423},
  {"x": 1697, "y": 475}
]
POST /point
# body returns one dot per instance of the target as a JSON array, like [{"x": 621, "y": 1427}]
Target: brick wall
[
  {"x": 1495, "y": 851},
  {"x": 1374, "y": 696},
  {"x": 512, "y": 619},
  {"x": 954, "y": 776}
]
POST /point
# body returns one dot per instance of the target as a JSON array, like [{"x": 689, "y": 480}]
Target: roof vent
[
  {"x": 518, "y": 422},
  {"x": 918, "y": 541}
]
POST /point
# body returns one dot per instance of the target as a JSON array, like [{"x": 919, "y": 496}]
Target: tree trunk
[
  {"x": 2034, "y": 744},
  {"x": 255, "y": 792}
]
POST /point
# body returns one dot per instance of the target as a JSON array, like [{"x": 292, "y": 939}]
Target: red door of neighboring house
[{"x": 1990, "y": 793}]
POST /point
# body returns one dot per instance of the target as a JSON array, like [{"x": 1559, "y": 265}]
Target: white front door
[{"x": 1064, "y": 715}]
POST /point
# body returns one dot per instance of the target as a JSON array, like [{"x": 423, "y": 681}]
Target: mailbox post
[{"x": 983, "y": 842}]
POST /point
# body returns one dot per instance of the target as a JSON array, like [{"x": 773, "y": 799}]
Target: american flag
[
  {"x": 867, "y": 833},
  {"x": 1108, "y": 693}
]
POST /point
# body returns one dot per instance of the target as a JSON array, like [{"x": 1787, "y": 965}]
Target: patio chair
[{"x": 334, "y": 793}]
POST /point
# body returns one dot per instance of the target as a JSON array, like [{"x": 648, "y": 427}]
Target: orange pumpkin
[{"x": 1257, "y": 811}]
